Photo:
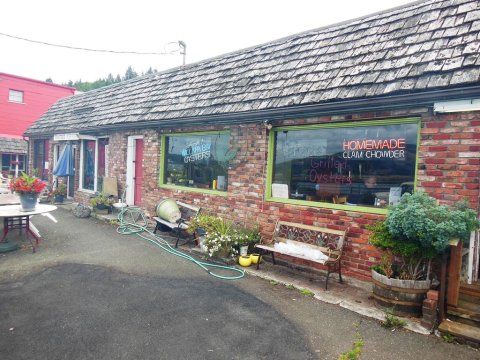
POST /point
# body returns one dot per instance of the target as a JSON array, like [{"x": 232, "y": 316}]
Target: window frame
[
  {"x": 95, "y": 167},
  {"x": 14, "y": 160},
  {"x": 163, "y": 154},
  {"x": 349, "y": 124},
  {"x": 16, "y": 92}
]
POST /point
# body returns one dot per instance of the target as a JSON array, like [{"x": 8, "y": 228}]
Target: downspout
[{"x": 28, "y": 153}]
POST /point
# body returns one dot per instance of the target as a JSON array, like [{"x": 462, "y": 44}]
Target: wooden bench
[
  {"x": 308, "y": 239},
  {"x": 187, "y": 212}
]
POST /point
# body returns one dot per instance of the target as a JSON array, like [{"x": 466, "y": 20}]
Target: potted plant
[
  {"x": 245, "y": 239},
  {"x": 28, "y": 188},
  {"x": 102, "y": 201},
  {"x": 217, "y": 235},
  {"x": 220, "y": 239},
  {"x": 414, "y": 232},
  {"x": 241, "y": 241},
  {"x": 59, "y": 193}
]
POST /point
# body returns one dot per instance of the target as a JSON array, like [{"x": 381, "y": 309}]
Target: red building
[{"x": 22, "y": 101}]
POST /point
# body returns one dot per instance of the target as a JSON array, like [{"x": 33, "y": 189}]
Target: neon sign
[
  {"x": 374, "y": 149},
  {"x": 196, "y": 151}
]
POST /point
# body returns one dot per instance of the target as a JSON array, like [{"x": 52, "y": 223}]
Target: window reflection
[
  {"x": 361, "y": 165},
  {"x": 198, "y": 161}
]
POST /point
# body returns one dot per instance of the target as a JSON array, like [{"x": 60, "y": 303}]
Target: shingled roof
[
  {"x": 417, "y": 48},
  {"x": 13, "y": 146}
]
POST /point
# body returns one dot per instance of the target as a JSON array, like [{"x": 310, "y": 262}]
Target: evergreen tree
[
  {"x": 109, "y": 80},
  {"x": 130, "y": 74}
]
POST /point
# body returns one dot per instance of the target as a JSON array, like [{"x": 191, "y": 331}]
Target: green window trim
[
  {"x": 192, "y": 189},
  {"x": 163, "y": 185},
  {"x": 350, "y": 124}
]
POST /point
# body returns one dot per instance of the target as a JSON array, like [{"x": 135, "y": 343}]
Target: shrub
[
  {"x": 61, "y": 189},
  {"x": 420, "y": 219},
  {"x": 102, "y": 199},
  {"x": 221, "y": 236},
  {"x": 417, "y": 230}
]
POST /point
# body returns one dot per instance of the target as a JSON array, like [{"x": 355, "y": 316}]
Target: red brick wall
[
  {"x": 449, "y": 158},
  {"x": 448, "y": 169}
]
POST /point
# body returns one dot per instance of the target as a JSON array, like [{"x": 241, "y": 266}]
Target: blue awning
[{"x": 64, "y": 165}]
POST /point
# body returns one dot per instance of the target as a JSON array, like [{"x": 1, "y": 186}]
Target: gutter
[{"x": 303, "y": 111}]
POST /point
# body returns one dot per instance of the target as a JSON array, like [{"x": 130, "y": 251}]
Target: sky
[{"x": 208, "y": 27}]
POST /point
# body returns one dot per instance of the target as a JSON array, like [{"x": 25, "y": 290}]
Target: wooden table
[{"x": 14, "y": 218}]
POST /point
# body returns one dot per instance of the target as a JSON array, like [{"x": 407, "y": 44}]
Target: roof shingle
[{"x": 419, "y": 47}]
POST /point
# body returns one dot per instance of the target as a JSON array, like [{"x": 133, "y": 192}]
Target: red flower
[{"x": 26, "y": 184}]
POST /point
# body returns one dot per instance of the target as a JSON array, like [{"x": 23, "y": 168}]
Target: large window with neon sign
[
  {"x": 197, "y": 160},
  {"x": 367, "y": 164}
]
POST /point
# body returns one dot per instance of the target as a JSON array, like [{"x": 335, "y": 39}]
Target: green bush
[
  {"x": 102, "y": 199},
  {"x": 221, "y": 235},
  {"x": 419, "y": 219},
  {"x": 417, "y": 230}
]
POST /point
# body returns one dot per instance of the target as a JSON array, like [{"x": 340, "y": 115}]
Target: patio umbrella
[{"x": 64, "y": 165}]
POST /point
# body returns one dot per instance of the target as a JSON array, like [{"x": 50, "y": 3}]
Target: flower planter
[
  {"x": 28, "y": 202},
  {"x": 243, "y": 250},
  {"x": 58, "y": 199},
  {"x": 245, "y": 261},
  {"x": 256, "y": 258},
  {"x": 405, "y": 297},
  {"x": 102, "y": 209}
]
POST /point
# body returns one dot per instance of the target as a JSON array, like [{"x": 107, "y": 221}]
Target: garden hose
[{"x": 133, "y": 222}]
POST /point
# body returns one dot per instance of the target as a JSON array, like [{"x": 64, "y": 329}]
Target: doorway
[
  {"x": 71, "y": 178},
  {"x": 134, "y": 170}
]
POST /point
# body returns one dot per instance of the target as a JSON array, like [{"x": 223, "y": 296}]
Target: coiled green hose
[{"x": 133, "y": 222}]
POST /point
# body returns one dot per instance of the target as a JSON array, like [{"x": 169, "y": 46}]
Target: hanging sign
[{"x": 65, "y": 137}]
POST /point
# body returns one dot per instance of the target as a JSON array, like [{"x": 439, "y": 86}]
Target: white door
[{"x": 131, "y": 150}]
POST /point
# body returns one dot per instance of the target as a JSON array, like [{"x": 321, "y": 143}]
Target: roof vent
[{"x": 83, "y": 110}]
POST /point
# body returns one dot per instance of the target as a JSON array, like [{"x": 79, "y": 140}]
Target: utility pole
[{"x": 183, "y": 49}]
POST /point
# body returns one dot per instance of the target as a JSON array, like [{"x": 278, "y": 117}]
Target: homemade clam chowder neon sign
[
  {"x": 333, "y": 170},
  {"x": 374, "y": 149}
]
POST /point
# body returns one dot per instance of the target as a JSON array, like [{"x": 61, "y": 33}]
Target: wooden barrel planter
[{"x": 405, "y": 297}]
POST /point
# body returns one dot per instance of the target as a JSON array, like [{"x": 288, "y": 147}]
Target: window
[
  {"x": 15, "y": 96},
  {"x": 196, "y": 160},
  {"x": 94, "y": 163},
  {"x": 363, "y": 164},
  {"x": 10, "y": 163},
  {"x": 41, "y": 149}
]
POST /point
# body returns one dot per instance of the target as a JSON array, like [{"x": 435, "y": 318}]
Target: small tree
[{"x": 130, "y": 74}]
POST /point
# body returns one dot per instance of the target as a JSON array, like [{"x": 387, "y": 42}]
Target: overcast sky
[{"x": 208, "y": 27}]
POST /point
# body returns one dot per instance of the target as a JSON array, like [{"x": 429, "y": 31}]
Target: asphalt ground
[{"x": 91, "y": 293}]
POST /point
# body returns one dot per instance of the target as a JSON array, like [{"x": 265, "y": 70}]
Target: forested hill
[{"x": 110, "y": 79}]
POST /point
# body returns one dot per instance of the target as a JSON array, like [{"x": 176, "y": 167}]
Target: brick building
[
  {"x": 294, "y": 128},
  {"x": 22, "y": 101}
]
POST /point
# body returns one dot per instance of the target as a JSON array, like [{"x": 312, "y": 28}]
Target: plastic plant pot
[
  {"x": 245, "y": 261},
  {"x": 256, "y": 258}
]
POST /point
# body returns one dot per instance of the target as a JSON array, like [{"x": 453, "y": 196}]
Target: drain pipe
[{"x": 28, "y": 153}]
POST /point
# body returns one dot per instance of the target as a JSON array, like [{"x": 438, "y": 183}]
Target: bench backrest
[{"x": 316, "y": 236}]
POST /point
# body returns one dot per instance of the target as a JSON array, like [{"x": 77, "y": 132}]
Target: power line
[{"x": 87, "y": 49}]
